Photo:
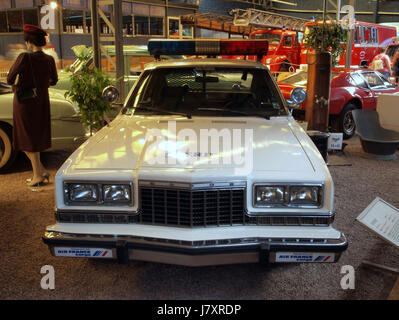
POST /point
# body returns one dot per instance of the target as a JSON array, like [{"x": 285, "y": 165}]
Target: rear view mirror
[{"x": 110, "y": 94}]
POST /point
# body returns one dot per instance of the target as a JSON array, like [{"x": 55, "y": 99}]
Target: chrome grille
[
  {"x": 192, "y": 208},
  {"x": 120, "y": 218}
]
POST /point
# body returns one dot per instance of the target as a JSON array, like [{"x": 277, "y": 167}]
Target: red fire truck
[
  {"x": 367, "y": 38},
  {"x": 287, "y": 52},
  {"x": 284, "y": 51}
]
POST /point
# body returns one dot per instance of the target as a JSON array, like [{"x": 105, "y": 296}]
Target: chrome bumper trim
[{"x": 195, "y": 253}]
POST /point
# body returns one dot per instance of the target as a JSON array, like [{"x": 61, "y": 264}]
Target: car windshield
[
  {"x": 212, "y": 92},
  {"x": 301, "y": 78},
  {"x": 273, "y": 38}
]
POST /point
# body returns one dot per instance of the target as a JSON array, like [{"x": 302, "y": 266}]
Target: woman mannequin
[{"x": 32, "y": 127}]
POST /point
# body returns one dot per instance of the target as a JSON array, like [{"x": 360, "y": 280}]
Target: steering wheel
[{"x": 240, "y": 99}]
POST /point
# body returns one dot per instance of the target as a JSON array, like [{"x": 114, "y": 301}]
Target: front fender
[
  {"x": 274, "y": 62},
  {"x": 340, "y": 97}
]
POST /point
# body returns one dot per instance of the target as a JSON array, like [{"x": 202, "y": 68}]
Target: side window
[
  {"x": 359, "y": 81},
  {"x": 362, "y": 35},
  {"x": 367, "y": 35},
  {"x": 300, "y": 37},
  {"x": 287, "y": 42},
  {"x": 356, "y": 34},
  {"x": 375, "y": 38},
  {"x": 386, "y": 80},
  {"x": 372, "y": 79}
]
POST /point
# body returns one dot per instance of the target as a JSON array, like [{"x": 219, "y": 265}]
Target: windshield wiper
[
  {"x": 237, "y": 112},
  {"x": 145, "y": 106}
]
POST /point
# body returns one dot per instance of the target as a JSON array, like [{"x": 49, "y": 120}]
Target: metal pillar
[
  {"x": 349, "y": 42},
  {"x": 376, "y": 9},
  {"x": 337, "y": 7},
  {"x": 95, "y": 34},
  {"x": 116, "y": 37},
  {"x": 118, "y": 24}
]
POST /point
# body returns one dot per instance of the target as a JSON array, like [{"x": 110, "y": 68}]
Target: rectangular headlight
[
  {"x": 116, "y": 193},
  {"x": 76, "y": 193},
  {"x": 79, "y": 192},
  {"x": 269, "y": 195},
  {"x": 304, "y": 195},
  {"x": 290, "y": 195}
]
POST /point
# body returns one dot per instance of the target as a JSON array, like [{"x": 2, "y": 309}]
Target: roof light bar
[{"x": 159, "y": 47}]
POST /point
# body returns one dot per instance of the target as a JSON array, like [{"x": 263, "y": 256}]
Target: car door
[{"x": 286, "y": 47}]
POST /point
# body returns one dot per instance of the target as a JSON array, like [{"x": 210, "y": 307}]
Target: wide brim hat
[{"x": 35, "y": 30}]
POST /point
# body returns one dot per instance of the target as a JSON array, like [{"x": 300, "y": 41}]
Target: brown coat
[{"x": 32, "y": 126}]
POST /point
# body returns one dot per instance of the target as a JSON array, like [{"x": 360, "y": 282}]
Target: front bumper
[{"x": 258, "y": 247}]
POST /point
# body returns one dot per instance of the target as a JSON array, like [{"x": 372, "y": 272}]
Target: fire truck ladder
[
  {"x": 264, "y": 19},
  {"x": 243, "y": 21}
]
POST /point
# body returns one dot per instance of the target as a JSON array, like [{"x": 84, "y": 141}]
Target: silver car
[{"x": 66, "y": 129}]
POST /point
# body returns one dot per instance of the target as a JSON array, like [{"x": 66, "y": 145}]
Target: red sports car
[{"x": 350, "y": 89}]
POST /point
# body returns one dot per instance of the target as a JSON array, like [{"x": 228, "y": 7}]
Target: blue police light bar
[{"x": 159, "y": 47}]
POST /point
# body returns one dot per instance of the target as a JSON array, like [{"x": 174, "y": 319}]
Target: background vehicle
[
  {"x": 135, "y": 57},
  {"x": 367, "y": 38},
  {"x": 66, "y": 130},
  {"x": 350, "y": 89},
  {"x": 284, "y": 52}
]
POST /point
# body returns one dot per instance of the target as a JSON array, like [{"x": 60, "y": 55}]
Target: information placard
[
  {"x": 383, "y": 219},
  {"x": 335, "y": 141}
]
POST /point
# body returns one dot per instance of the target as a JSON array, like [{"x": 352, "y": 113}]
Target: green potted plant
[
  {"x": 87, "y": 85},
  {"x": 328, "y": 37}
]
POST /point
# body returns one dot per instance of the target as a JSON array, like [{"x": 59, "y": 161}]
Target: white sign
[
  {"x": 383, "y": 219},
  {"x": 335, "y": 141},
  {"x": 48, "y": 20}
]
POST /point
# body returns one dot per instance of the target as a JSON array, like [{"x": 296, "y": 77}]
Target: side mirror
[
  {"x": 298, "y": 96},
  {"x": 110, "y": 94}
]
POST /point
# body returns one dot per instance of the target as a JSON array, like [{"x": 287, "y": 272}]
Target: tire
[
  {"x": 284, "y": 67},
  {"x": 346, "y": 122},
  {"x": 7, "y": 152}
]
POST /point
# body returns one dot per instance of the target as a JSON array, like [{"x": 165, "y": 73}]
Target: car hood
[{"x": 138, "y": 143}]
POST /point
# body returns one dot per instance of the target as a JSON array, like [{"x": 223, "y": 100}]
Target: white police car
[{"x": 204, "y": 165}]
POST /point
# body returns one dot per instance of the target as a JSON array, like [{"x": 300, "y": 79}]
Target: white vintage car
[
  {"x": 66, "y": 130},
  {"x": 204, "y": 165}
]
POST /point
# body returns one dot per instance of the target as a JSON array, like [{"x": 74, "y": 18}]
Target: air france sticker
[
  {"x": 83, "y": 252},
  {"x": 304, "y": 257}
]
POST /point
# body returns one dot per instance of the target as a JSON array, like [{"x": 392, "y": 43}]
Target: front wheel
[
  {"x": 346, "y": 122},
  {"x": 7, "y": 152},
  {"x": 284, "y": 67}
]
